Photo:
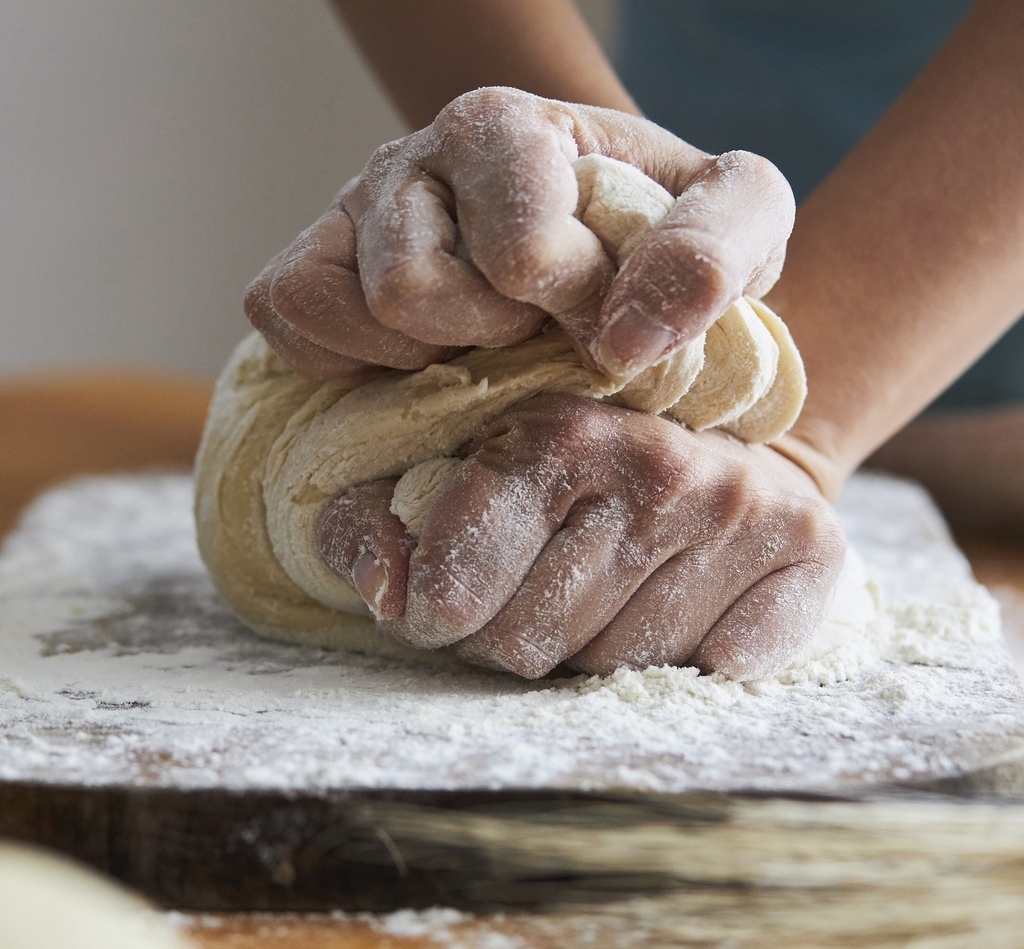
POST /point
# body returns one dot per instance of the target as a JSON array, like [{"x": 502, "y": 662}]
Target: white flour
[{"x": 118, "y": 664}]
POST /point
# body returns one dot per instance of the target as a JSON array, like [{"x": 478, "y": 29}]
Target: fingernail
[
  {"x": 370, "y": 580},
  {"x": 633, "y": 342}
]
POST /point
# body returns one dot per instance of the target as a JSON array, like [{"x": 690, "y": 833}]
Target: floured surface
[{"x": 121, "y": 666}]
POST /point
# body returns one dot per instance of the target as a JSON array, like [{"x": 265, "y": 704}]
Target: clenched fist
[
  {"x": 463, "y": 234},
  {"x": 585, "y": 533}
]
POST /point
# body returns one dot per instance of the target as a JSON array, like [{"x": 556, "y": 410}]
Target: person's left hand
[{"x": 589, "y": 534}]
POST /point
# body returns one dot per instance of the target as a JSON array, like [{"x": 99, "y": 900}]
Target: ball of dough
[{"x": 278, "y": 447}]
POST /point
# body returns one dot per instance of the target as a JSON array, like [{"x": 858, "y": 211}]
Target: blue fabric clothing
[{"x": 798, "y": 81}]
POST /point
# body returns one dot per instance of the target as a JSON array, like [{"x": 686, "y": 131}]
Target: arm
[
  {"x": 904, "y": 266},
  {"x": 540, "y": 46},
  {"x": 908, "y": 261}
]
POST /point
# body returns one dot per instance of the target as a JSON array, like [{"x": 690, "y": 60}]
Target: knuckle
[
  {"x": 736, "y": 504},
  {"x": 290, "y": 291},
  {"x": 301, "y": 355},
  {"x": 529, "y": 669},
  {"x": 401, "y": 294},
  {"x": 255, "y": 302},
  {"x": 820, "y": 535},
  {"x": 417, "y": 632},
  {"x": 381, "y": 161},
  {"x": 444, "y": 606},
  {"x": 771, "y": 183},
  {"x": 427, "y": 629},
  {"x": 671, "y": 471},
  {"x": 661, "y": 481},
  {"x": 387, "y": 164},
  {"x": 577, "y": 420},
  {"x": 505, "y": 652},
  {"x": 751, "y": 165},
  {"x": 524, "y": 658},
  {"x": 566, "y": 428},
  {"x": 477, "y": 109}
]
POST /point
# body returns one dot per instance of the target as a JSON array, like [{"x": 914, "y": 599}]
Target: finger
[
  {"x": 417, "y": 278},
  {"x": 763, "y": 631},
  {"x": 364, "y": 543},
  {"x": 725, "y": 234},
  {"x": 477, "y": 544},
  {"x": 503, "y": 505},
  {"x": 774, "y": 619},
  {"x": 317, "y": 291},
  {"x": 684, "y": 602},
  {"x": 667, "y": 617},
  {"x": 578, "y": 583},
  {"x": 515, "y": 201},
  {"x": 675, "y": 608},
  {"x": 305, "y": 357}
]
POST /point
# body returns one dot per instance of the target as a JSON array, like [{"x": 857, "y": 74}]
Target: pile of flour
[{"x": 121, "y": 665}]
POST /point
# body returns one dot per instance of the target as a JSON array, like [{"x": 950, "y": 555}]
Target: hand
[
  {"x": 586, "y": 533},
  {"x": 463, "y": 234}
]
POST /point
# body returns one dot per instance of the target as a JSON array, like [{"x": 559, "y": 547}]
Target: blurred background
[{"x": 153, "y": 156}]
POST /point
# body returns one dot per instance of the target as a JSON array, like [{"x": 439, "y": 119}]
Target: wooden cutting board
[{"x": 144, "y": 730}]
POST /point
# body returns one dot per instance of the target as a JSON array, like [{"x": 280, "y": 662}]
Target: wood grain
[
  {"x": 292, "y": 931},
  {"x": 288, "y": 931},
  {"x": 56, "y": 426}
]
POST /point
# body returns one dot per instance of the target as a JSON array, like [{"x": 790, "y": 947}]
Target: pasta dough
[{"x": 278, "y": 447}]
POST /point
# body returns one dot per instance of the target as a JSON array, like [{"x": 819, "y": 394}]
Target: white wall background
[{"x": 153, "y": 155}]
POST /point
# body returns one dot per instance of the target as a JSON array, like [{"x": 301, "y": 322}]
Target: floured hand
[
  {"x": 592, "y": 534},
  {"x": 464, "y": 234}
]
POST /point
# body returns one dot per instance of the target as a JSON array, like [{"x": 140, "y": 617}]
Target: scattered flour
[
  {"x": 121, "y": 665},
  {"x": 438, "y": 925},
  {"x": 1011, "y": 606},
  {"x": 411, "y": 922}
]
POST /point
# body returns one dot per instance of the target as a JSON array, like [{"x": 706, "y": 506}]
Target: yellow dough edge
[
  {"x": 740, "y": 360},
  {"x": 775, "y": 412}
]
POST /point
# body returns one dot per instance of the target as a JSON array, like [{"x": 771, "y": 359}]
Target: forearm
[
  {"x": 908, "y": 262},
  {"x": 428, "y": 52}
]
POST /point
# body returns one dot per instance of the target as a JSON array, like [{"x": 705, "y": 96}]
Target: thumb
[
  {"x": 364, "y": 543},
  {"x": 725, "y": 233}
]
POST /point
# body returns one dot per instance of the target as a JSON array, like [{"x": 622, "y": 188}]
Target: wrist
[{"x": 808, "y": 447}]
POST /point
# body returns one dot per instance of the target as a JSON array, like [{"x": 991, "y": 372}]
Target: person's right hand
[{"x": 463, "y": 234}]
